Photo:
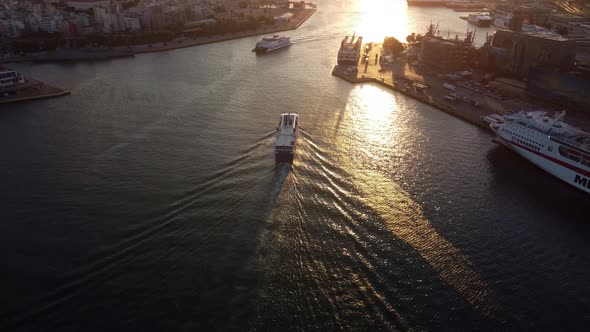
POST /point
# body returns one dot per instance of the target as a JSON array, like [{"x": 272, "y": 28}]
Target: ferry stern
[{"x": 286, "y": 139}]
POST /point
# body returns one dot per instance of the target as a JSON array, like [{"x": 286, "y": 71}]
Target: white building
[
  {"x": 114, "y": 23},
  {"x": 11, "y": 28},
  {"x": 83, "y": 19},
  {"x": 132, "y": 24},
  {"x": 99, "y": 14},
  {"x": 47, "y": 24}
]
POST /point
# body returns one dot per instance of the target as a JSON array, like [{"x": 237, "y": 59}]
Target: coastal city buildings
[
  {"x": 516, "y": 52},
  {"x": 447, "y": 54},
  {"x": 80, "y": 17}
]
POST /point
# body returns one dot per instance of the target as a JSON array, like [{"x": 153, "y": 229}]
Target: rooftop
[{"x": 534, "y": 34}]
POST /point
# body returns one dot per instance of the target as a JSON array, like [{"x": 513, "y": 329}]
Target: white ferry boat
[
  {"x": 269, "y": 44},
  {"x": 286, "y": 140},
  {"x": 481, "y": 20},
  {"x": 551, "y": 144},
  {"x": 350, "y": 51}
]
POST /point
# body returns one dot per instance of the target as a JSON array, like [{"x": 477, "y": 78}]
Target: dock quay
[
  {"x": 460, "y": 98},
  {"x": 31, "y": 90},
  {"x": 473, "y": 117},
  {"x": 84, "y": 54}
]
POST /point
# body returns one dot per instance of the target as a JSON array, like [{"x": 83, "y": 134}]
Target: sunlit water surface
[{"x": 149, "y": 199}]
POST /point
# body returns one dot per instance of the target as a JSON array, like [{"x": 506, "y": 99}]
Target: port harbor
[
  {"x": 238, "y": 21},
  {"x": 447, "y": 74},
  {"x": 383, "y": 167}
]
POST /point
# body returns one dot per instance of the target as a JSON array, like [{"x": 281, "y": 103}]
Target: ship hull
[
  {"x": 562, "y": 170},
  {"x": 263, "y": 50}
]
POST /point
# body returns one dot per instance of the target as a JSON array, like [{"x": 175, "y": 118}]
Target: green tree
[{"x": 392, "y": 46}]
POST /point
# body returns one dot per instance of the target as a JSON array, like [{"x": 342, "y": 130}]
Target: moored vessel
[
  {"x": 269, "y": 44},
  {"x": 10, "y": 78},
  {"x": 286, "y": 139},
  {"x": 350, "y": 50},
  {"x": 549, "y": 143},
  {"x": 481, "y": 20}
]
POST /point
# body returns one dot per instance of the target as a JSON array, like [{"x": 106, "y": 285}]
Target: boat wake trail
[
  {"x": 280, "y": 175},
  {"x": 351, "y": 233},
  {"x": 311, "y": 38},
  {"x": 232, "y": 185}
]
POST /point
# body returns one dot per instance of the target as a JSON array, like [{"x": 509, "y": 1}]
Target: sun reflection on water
[
  {"x": 381, "y": 18},
  {"x": 376, "y": 121},
  {"x": 374, "y": 131}
]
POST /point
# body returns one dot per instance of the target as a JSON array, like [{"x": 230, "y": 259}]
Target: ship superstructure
[
  {"x": 269, "y": 44},
  {"x": 350, "y": 51},
  {"x": 286, "y": 140},
  {"x": 548, "y": 142}
]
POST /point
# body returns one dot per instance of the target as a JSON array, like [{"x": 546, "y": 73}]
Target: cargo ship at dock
[
  {"x": 350, "y": 51},
  {"x": 556, "y": 147}
]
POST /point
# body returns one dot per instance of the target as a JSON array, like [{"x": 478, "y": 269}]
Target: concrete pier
[
  {"x": 472, "y": 117},
  {"x": 463, "y": 100},
  {"x": 32, "y": 90}
]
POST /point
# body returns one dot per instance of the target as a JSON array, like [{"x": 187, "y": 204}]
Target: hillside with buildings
[{"x": 40, "y": 25}]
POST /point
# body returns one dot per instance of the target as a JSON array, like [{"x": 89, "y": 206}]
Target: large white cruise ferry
[
  {"x": 286, "y": 140},
  {"x": 548, "y": 142},
  {"x": 268, "y": 44}
]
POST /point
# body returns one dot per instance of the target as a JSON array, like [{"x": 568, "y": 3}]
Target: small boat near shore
[
  {"x": 286, "y": 139},
  {"x": 269, "y": 44},
  {"x": 481, "y": 20}
]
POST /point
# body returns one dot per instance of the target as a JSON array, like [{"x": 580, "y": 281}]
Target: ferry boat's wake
[{"x": 253, "y": 167}]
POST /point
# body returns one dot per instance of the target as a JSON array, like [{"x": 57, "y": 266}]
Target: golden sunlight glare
[{"x": 381, "y": 18}]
